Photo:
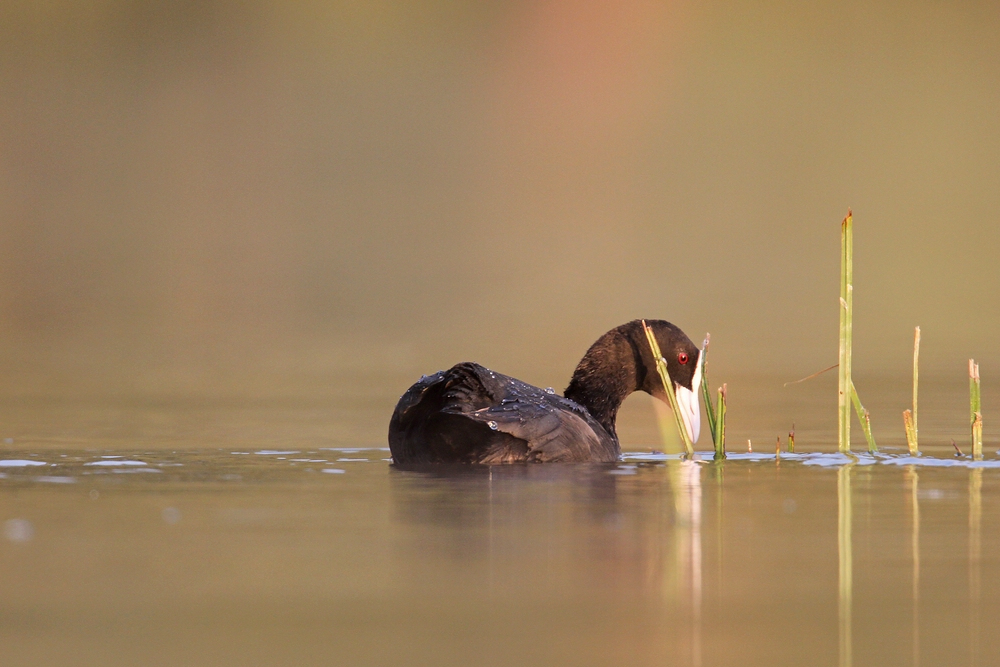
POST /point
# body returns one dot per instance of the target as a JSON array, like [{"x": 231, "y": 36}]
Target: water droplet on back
[
  {"x": 492, "y": 425},
  {"x": 550, "y": 390}
]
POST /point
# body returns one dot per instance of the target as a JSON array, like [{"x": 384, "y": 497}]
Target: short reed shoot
[
  {"x": 864, "y": 418},
  {"x": 791, "y": 440},
  {"x": 720, "y": 425},
  {"x": 975, "y": 411}
]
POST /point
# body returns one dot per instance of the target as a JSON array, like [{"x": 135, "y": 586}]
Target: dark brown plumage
[{"x": 471, "y": 414}]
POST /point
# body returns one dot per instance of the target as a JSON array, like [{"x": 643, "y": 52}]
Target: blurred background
[
  {"x": 261, "y": 194},
  {"x": 247, "y": 226}
]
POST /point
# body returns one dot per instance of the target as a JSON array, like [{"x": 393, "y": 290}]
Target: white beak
[{"x": 687, "y": 402}]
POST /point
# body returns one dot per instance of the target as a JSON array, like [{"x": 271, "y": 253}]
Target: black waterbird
[{"x": 470, "y": 414}]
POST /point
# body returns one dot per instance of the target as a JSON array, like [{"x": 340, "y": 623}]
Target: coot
[{"x": 470, "y": 414}]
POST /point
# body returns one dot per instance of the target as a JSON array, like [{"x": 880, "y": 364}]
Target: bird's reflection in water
[
  {"x": 605, "y": 520},
  {"x": 462, "y": 496},
  {"x": 629, "y": 533}
]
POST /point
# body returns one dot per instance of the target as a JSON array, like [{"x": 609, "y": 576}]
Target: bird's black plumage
[{"x": 474, "y": 415}]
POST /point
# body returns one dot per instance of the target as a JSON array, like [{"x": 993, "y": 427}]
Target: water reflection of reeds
[
  {"x": 845, "y": 562},
  {"x": 912, "y": 482},
  {"x": 975, "y": 565}
]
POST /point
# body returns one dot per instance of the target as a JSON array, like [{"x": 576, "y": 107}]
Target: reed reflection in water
[
  {"x": 975, "y": 554},
  {"x": 846, "y": 562},
  {"x": 912, "y": 482}
]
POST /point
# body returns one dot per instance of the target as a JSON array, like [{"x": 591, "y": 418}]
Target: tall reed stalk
[
  {"x": 668, "y": 387},
  {"x": 847, "y": 392},
  {"x": 846, "y": 312},
  {"x": 975, "y": 411}
]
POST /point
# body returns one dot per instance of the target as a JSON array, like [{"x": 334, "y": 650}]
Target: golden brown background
[{"x": 194, "y": 193}]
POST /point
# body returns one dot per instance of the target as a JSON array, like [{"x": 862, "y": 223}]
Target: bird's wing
[{"x": 551, "y": 434}]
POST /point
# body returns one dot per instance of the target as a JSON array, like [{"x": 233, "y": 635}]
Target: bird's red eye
[{"x": 682, "y": 357}]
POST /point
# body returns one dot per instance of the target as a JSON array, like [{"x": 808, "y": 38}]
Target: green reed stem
[
  {"x": 911, "y": 435},
  {"x": 720, "y": 426},
  {"x": 706, "y": 397},
  {"x": 668, "y": 387},
  {"x": 977, "y": 437},
  {"x": 973, "y": 390},
  {"x": 864, "y": 418},
  {"x": 846, "y": 311},
  {"x": 791, "y": 440},
  {"x": 975, "y": 411}
]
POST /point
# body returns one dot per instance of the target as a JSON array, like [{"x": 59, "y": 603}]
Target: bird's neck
[{"x": 606, "y": 375}]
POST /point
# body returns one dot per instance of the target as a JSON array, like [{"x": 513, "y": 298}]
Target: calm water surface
[{"x": 276, "y": 532}]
